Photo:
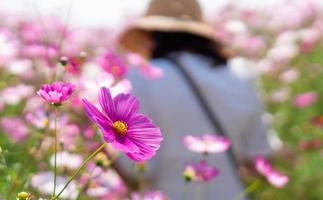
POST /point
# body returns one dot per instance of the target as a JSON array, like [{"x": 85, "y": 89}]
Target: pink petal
[
  {"x": 262, "y": 165},
  {"x": 194, "y": 144},
  {"x": 277, "y": 179},
  {"x": 93, "y": 113},
  {"x": 106, "y": 102},
  {"x": 126, "y": 105}
]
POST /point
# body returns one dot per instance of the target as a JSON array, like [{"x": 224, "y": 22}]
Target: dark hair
[{"x": 169, "y": 42}]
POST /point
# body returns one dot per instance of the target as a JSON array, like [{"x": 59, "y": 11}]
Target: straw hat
[{"x": 168, "y": 16}]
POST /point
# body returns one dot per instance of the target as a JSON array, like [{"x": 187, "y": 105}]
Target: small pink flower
[
  {"x": 274, "y": 177},
  {"x": 123, "y": 126},
  {"x": 114, "y": 64},
  {"x": 207, "y": 143},
  {"x": 56, "y": 93},
  {"x": 305, "y": 99},
  {"x": 200, "y": 172}
]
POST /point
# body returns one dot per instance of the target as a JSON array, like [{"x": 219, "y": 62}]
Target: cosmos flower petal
[
  {"x": 262, "y": 165},
  {"x": 106, "y": 102},
  {"x": 93, "y": 113},
  {"x": 108, "y": 134},
  {"x": 144, "y": 154},
  {"x": 57, "y": 92},
  {"x": 216, "y": 144},
  {"x": 126, "y": 105},
  {"x": 125, "y": 144},
  {"x": 194, "y": 144},
  {"x": 277, "y": 179}
]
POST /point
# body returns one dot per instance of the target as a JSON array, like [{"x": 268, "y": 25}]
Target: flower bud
[
  {"x": 102, "y": 160},
  {"x": 83, "y": 55},
  {"x": 63, "y": 60},
  {"x": 23, "y": 196},
  {"x": 189, "y": 174}
]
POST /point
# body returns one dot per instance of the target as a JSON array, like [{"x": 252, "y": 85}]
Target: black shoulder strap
[{"x": 218, "y": 128}]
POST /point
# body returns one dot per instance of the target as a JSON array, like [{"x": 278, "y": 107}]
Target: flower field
[{"x": 67, "y": 113}]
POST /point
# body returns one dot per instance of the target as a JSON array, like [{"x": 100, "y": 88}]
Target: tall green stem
[
  {"x": 185, "y": 190},
  {"x": 55, "y": 151},
  {"x": 79, "y": 169}
]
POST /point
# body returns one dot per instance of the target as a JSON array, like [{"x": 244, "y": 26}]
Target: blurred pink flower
[
  {"x": 15, "y": 94},
  {"x": 22, "y": 68},
  {"x": 200, "y": 171},
  {"x": 308, "y": 38},
  {"x": 43, "y": 182},
  {"x": 277, "y": 179},
  {"x": 290, "y": 75},
  {"x": 8, "y": 46},
  {"x": 15, "y": 128},
  {"x": 146, "y": 68},
  {"x": 123, "y": 126},
  {"x": 104, "y": 184},
  {"x": 37, "y": 118},
  {"x": 274, "y": 177},
  {"x": 31, "y": 32},
  {"x": 280, "y": 95},
  {"x": 68, "y": 135},
  {"x": 93, "y": 78},
  {"x": 67, "y": 160},
  {"x": 305, "y": 99},
  {"x": 114, "y": 64},
  {"x": 207, "y": 143},
  {"x": 56, "y": 93}
]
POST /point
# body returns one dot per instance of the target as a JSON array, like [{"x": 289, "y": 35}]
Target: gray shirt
[{"x": 172, "y": 105}]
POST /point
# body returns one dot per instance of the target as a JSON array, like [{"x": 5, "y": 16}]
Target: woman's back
[{"x": 173, "y": 105}]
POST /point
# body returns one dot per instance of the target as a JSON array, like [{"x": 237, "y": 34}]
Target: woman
[{"x": 197, "y": 94}]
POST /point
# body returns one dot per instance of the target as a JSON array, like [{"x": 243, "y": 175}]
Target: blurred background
[{"x": 276, "y": 44}]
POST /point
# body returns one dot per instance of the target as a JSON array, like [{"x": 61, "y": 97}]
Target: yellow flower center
[{"x": 120, "y": 127}]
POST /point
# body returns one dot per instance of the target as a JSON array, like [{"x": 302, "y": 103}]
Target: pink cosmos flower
[
  {"x": 56, "y": 93},
  {"x": 114, "y": 64},
  {"x": 207, "y": 143},
  {"x": 123, "y": 126},
  {"x": 200, "y": 172},
  {"x": 274, "y": 177},
  {"x": 305, "y": 99}
]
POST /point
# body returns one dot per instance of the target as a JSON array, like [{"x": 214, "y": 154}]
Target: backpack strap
[{"x": 217, "y": 126}]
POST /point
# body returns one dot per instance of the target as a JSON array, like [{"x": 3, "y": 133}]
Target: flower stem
[
  {"x": 198, "y": 192},
  {"x": 185, "y": 190},
  {"x": 79, "y": 169},
  {"x": 55, "y": 151},
  {"x": 248, "y": 190}
]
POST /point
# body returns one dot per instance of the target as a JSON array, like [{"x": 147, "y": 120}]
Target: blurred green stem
[
  {"x": 185, "y": 190},
  {"x": 55, "y": 150},
  {"x": 98, "y": 150},
  {"x": 248, "y": 190}
]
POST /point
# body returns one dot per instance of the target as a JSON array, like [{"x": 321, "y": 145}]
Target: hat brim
[
  {"x": 136, "y": 37},
  {"x": 162, "y": 23}
]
